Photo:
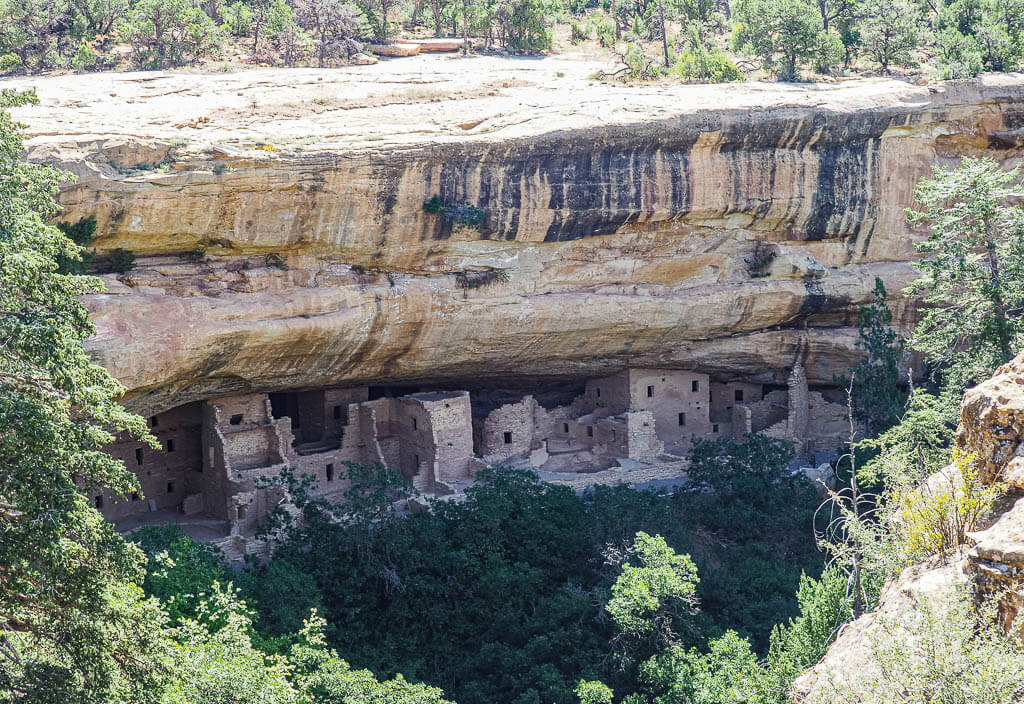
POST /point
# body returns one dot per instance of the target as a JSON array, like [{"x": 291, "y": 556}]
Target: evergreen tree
[
  {"x": 876, "y": 396},
  {"x": 972, "y": 271},
  {"x": 70, "y": 619}
]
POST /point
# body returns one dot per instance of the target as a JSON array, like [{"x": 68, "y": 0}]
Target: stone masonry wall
[
  {"x": 679, "y": 401},
  {"x": 508, "y": 430}
]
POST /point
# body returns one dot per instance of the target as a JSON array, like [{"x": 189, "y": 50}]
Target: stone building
[
  {"x": 215, "y": 453},
  {"x": 207, "y": 478}
]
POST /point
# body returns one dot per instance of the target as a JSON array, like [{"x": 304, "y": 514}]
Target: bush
[
  {"x": 828, "y": 54},
  {"x": 638, "y": 65},
  {"x": 580, "y": 32},
  {"x": 603, "y": 27},
  {"x": 760, "y": 259},
  {"x": 82, "y": 233},
  {"x": 275, "y": 260},
  {"x": 237, "y": 19},
  {"x": 958, "y": 56},
  {"x": 193, "y": 255},
  {"x": 950, "y": 651},
  {"x": 938, "y": 514},
  {"x": 84, "y": 58},
  {"x": 704, "y": 66},
  {"x": 121, "y": 261}
]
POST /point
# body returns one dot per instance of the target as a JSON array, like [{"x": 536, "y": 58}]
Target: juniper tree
[
  {"x": 972, "y": 271},
  {"x": 70, "y": 618}
]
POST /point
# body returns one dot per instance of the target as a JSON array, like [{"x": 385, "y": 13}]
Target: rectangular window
[
  {"x": 138, "y": 455},
  {"x": 599, "y": 392},
  {"x": 154, "y": 421},
  {"x": 714, "y": 428},
  {"x": 416, "y": 461},
  {"x": 98, "y": 501},
  {"x": 694, "y": 386},
  {"x": 738, "y": 395},
  {"x": 236, "y": 419},
  {"x": 330, "y": 472},
  {"x": 650, "y": 391},
  {"x": 240, "y": 511},
  {"x": 508, "y": 438},
  {"x": 590, "y": 431},
  {"x": 414, "y": 424},
  {"x": 170, "y": 446},
  {"x": 682, "y": 419},
  {"x": 135, "y": 496},
  {"x": 565, "y": 428},
  {"x": 337, "y": 413},
  {"x": 170, "y": 487}
]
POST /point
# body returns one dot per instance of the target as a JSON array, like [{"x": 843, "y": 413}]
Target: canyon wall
[{"x": 619, "y": 225}]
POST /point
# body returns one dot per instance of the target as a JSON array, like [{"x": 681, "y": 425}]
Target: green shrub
[
  {"x": 579, "y": 32},
  {"x": 275, "y": 260},
  {"x": 237, "y": 19},
  {"x": 603, "y": 27},
  {"x": 958, "y": 55},
  {"x": 829, "y": 53},
  {"x": 84, "y": 58},
  {"x": 11, "y": 63},
  {"x": 703, "y": 66},
  {"x": 948, "y": 651},
  {"x": 638, "y": 65},
  {"x": 121, "y": 261},
  {"x": 193, "y": 255},
  {"x": 82, "y": 233}
]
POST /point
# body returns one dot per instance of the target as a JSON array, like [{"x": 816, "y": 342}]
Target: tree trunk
[
  {"x": 664, "y": 31},
  {"x": 999, "y": 307}
]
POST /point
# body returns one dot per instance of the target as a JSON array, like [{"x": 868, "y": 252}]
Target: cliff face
[
  {"x": 991, "y": 431},
  {"x": 624, "y": 221}
]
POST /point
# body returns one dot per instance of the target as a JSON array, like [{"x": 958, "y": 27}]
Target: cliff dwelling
[{"x": 635, "y": 426}]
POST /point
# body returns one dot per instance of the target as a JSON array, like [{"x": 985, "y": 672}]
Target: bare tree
[{"x": 333, "y": 24}]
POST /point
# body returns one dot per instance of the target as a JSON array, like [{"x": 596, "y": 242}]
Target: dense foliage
[
  {"x": 972, "y": 272},
  {"x": 684, "y": 38},
  {"x": 74, "y": 624},
  {"x": 508, "y": 595}
]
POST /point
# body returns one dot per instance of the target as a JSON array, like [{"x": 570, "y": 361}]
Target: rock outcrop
[
  {"x": 281, "y": 239},
  {"x": 991, "y": 430}
]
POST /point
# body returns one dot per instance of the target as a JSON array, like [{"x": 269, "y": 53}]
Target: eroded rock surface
[
  {"x": 991, "y": 428},
  {"x": 625, "y": 219}
]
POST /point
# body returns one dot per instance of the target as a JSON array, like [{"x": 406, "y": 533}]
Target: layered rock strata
[{"x": 281, "y": 238}]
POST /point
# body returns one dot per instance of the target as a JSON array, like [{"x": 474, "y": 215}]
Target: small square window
[
  {"x": 330, "y": 472},
  {"x": 170, "y": 446},
  {"x": 170, "y": 487},
  {"x": 98, "y": 501},
  {"x": 508, "y": 438},
  {"x": 236, "y": 419},
  {"x": 694, "y": 386},
  {"x": 138, "y": 455},
  {"x": 682, "y": 419},
  {"x": 135, "y": 496},
  {"x": 738, "y": 395},
  {"x": 650, "y": 391}
]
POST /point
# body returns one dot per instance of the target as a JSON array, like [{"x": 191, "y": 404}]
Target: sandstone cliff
[
  {"x": 992, "y": 429},
  {"x": 622, "y": 218}
]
